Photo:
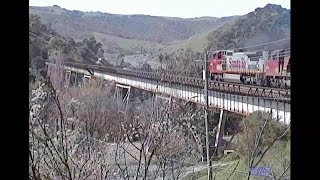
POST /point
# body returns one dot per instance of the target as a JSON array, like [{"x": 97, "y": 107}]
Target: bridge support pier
[
  {"x": 167, "y": 99},
  {"x": 86, "y": 78},
  {"x": 67, "y": 78},
  {"x": 74, "y": 79},
  {"x": 220, "y": 133},
  {"x": 122, "y": 95}
]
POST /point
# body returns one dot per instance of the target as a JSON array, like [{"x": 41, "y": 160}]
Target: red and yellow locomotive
[{"x": 262, "y": 68}]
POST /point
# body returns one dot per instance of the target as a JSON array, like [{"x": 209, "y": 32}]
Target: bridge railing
[{"x": 241, "y": 89}]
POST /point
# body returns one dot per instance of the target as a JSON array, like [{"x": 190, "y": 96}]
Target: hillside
[
  {"x": 266, "y": 24},
  {"x": 45, "y": 43},
  {"x": 125, "y": 31},
  {"x": 147, "y": 37},
  {"x": 39, "y": 37},
  {"x": 114, "y": 44},
  {"x": 77, "y": 24},
  {"x": 197, "y": 43}
]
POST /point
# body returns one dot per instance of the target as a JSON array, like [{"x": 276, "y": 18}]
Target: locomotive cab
[{"x": 216, "y": 66}]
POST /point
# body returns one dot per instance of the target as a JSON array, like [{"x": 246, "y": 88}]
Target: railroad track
[{"x": 235, "y": 88}]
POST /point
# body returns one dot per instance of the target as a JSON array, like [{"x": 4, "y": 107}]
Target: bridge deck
[
  {"x": 242, "y": 104},
  {"x": 234, "y": 88}
]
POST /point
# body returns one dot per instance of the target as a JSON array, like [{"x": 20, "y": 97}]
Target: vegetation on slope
[
  {"x": 45, "y": 43},
  {"x": 125, "y": 33},
  {"x": 114, "y": 44},
  {"x": 78, "y": 24},
  {"x": 262, "y": 142},
  {"x": 269, "y": 23},
  {"x": 39, "y": 37},
  {"x": 121, "y": 35}
]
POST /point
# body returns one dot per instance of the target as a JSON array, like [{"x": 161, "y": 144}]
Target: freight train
[{"x": 261, "y": 68}]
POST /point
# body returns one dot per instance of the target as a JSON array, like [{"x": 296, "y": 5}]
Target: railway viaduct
[
  {"x": 227, "y": 97},
  {"x": 240, "y": 99}
]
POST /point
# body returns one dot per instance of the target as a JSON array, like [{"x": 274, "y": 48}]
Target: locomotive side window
[
  {"x": 259, "y": 53},
  {"x": 229, "y": 53}
]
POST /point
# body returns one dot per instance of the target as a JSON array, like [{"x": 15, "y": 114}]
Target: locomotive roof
[
  {"x": 272, "y": 52},
  {"x": 277, "y": 51},
  {"x": 250, "y": 53}
]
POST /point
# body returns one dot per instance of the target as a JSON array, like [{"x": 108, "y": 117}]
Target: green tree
[
  {"x": 90, "y": 50},
  {"x": 259, "y": 133}
]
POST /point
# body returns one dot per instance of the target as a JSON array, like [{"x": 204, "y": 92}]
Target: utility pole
[{"x": 205, "y": 77}]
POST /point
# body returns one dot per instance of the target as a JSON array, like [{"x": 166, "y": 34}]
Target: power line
[
  {"x": 257, "y": 44},
  {"x": 282, "y": 54},
  {"x": 48, "y": 36},
  {"x": 38, "y": 36},
  {"x": 263, "y": 44}
]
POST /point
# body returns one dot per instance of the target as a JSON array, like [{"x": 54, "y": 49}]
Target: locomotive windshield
[{"x": 219, "y": 55}]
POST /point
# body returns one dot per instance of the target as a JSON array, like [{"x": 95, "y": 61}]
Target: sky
[{"x": 171, "y": 8}]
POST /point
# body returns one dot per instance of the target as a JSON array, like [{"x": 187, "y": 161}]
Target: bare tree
[
  {"x": 76, "y": 133},
  {"x": 57, "y": 73},
  {"x": 157, "y": 146},
  {"x": 58, "y": 146}
]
